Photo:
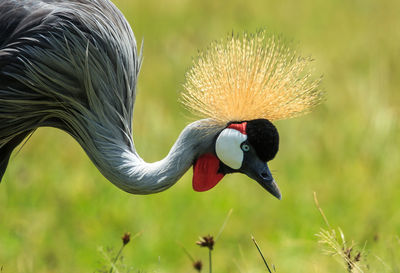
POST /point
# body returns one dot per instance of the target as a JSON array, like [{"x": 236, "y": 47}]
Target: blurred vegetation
[{"x": 56, "y": 209}]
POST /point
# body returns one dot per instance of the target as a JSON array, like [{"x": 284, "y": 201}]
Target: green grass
[{"x": 56, "y": 209}]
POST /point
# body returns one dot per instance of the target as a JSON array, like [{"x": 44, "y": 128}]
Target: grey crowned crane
[{"x": 73, "y": 65}]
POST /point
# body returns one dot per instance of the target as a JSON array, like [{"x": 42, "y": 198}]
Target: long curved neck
[{"x": 127, "y": 170}]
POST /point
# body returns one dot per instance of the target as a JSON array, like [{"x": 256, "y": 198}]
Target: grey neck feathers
[
  {"x": 73, "y": 65},
  {"x": 124, "y": 167}
]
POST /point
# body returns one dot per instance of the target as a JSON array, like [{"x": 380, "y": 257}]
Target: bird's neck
[{"x": 126, "y": 169}]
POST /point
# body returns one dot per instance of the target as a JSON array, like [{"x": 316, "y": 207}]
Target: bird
[{"x": 73, "y": 65}]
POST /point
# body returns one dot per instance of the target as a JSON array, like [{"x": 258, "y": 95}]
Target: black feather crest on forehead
[{"x": 264, "y": 137}]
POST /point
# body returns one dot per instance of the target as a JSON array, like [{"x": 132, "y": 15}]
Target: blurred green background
[{"x": 56, "y": 209}]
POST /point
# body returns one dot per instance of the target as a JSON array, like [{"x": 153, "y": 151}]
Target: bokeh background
[{"x": 56, "y": 210}]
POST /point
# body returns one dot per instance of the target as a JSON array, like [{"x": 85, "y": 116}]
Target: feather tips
[{"x": 250, "y": 77}]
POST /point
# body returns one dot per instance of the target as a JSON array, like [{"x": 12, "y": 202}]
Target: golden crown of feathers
[{"x": 249, "y": 77}]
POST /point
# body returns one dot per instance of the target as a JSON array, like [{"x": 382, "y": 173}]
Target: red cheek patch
[
  {"x": 241, "y": 127},
  {"x": 205, "y": 173}
]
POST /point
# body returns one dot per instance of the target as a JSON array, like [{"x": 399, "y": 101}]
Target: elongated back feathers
[{"x": 72, "y": 65}]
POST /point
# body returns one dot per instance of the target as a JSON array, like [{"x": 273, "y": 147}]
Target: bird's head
[
  {"x": 253, "y": 79},
  {"x": 243, "y": 147}
]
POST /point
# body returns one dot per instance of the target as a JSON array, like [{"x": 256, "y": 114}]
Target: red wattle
[{"x": 205, "y": 173}]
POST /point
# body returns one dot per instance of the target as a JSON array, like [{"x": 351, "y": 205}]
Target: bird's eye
[{"x": 245, "y": 147}]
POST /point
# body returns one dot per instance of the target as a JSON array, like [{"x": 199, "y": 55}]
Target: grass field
[{"x": 56, "y": 210}]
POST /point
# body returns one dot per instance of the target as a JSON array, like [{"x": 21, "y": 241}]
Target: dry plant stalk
[
  {"x": 261, "y": 254},
  {"x": 249, "y": 77},
  {"x": 336, "y": 247},
  {"x": 209, "y": 242},
  {"x": 114, "y": 262}
]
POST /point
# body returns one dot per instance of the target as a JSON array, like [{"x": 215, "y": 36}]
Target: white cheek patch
[{"x": 228, "y": 148}]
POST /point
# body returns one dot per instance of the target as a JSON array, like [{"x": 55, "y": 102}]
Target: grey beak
[
  {"x": 264, "y": 177},
  {"x": 259, "y": 171},
  {"x": 273, "y": 189},
  {"x": 267, "y": 182}
]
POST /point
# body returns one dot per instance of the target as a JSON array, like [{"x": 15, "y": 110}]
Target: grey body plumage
[{"x": 73, "y": 65}]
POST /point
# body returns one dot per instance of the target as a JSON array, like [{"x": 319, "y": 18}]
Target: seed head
[
  {"x": 357, "y": 258},
  {"x": 206, "y": 241},
  {"x": 198, "y": 265},
  {"x": 126, "y": 238}
]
